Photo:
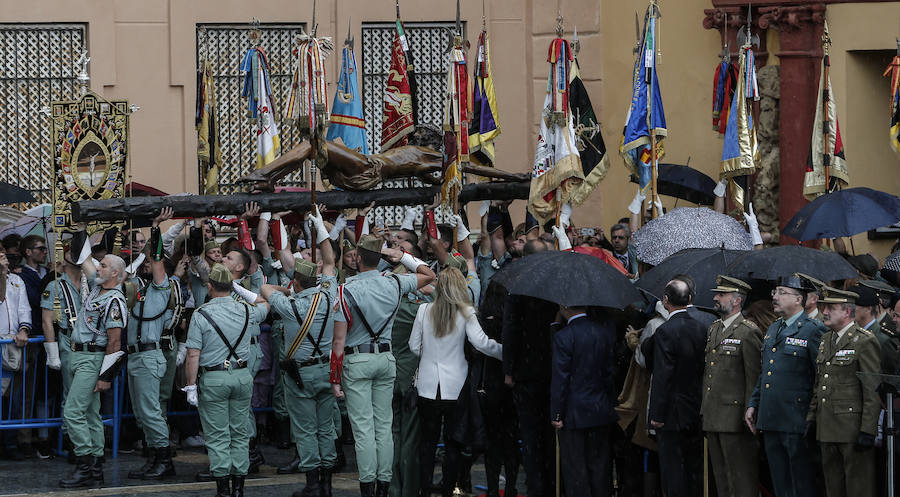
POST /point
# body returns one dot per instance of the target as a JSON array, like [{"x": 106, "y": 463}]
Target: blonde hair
[{"x": 451, "y": 295}]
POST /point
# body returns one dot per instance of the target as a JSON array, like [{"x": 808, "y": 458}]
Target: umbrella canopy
[
  {"x": 12, "y": 194},
  {"x": 9, "y": 215},
  {"x": 775, "y": 262},
  {"x": 844, "y": 213},
  {"x": 687, "y": 227},
  {"x": 703, "y": 265},
  {"x": 22, "y": 227},
  {"x": 568, "y": 279},
  {"x": 684, "y": 182},
  {"x": 604, "y": 255}
]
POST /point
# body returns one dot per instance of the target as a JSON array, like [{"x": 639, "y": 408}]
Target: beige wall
[{"x": 144, "y": 51}]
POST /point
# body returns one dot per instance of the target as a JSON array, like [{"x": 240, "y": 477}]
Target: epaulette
[
  {"x": 865, "y": 332},
  {"x": 748, "y": 322}
]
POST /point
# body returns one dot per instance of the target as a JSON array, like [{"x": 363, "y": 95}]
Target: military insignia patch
[
  {"x": 46, "y": 294},
  {"x": 326, "y": 285},
  {"x": 115, "y": 312},
  {"x": 795, "y": 341}
]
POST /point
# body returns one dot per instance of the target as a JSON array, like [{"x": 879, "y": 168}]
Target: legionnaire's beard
[{"x": 100, "y": 279}]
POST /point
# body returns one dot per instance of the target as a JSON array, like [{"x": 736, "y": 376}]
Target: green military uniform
[
  {"x": 102, "y": 310},
  {"x": 225, "y": 385},
  {"x": 733, "y": 350},
  {"x": 884, "y": 328},
  {"x": 405, "y": 427},
  {"x": 368, "y": 371},
  {"x": 843, "y": 408},
  {"x": 782, "y": 394},
  {"x": 63, "y": 289},
  {"x": 280, "y": 278},
  {"x": 169, "y": 344},
  {"x": 253, "y": 358},
  {"x": 146, "y": 362},
  {"x": 472, "y": 281},
  {"x": 311, "y": 406}
]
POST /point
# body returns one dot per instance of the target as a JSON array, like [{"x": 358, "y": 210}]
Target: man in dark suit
[
  {"x": 675, "y": 393},
  {"x": 582, "y": 401}
]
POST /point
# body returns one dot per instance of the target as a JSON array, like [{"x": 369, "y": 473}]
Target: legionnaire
[
  {"x": 95, "y": 361},
  {"x": 780, "y": 400},
  {"x": 884, "y": 328},
  {"x": 732, "y": 369},
  {"x": 218, "y": 346},
  {"x": 148, "y": 304},
  {"x": 238, "y": 263},
  {"x": 200, "y": 265},
  {"x": 306, "y": 310},
  {"x": 368, "y": 303},
  {"x": 845, "y": 411}
]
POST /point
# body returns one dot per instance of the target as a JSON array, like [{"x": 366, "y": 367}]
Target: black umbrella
[
  {"x": 844, "y": 213},
  {"x": 684, "y": 182},
  {"x": 773, "y": 263},
  {"x": 569, "y": 279},
  {"x": 12, "y": 194},
  {"x": 703, "y": 265}
]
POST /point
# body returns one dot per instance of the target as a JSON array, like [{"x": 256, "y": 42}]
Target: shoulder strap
[
  {"x": 71, "y": 310},
  {"x": 176, "y": 302},
  {"x": 231, "y": 348},
  {"x": 304, "y": 324},
  {"x": 317, "y": 342},
  {"x": 362, "y": 316}
]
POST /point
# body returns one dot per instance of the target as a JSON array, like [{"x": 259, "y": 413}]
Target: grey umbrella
[{"x": 689, "y": 227}]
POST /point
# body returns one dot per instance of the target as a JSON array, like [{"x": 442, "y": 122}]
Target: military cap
[
  {"x": 494, "y": 219},
  {"x": 835, "y": 296},
  {"x": 727, "y": 284},
  {"x": 303, "y": 267},
  {"x": 882, "y": 288},
  {"x": 459, "y": 262},
  {"x": 347, "y": 245},
  {"x": 530, "y": 222},
  {"x": 209, "y": 245},
  {"x": 371, "y": 243},
  {"x": 866, "y": 296},
  {"x": 220, "y": 274},
  {"x": 800, "y": 281}
]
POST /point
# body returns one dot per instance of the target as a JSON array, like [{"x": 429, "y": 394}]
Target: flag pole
[
  {"x": 826, "y": 99},
  {"x": 649, "y": 76}
]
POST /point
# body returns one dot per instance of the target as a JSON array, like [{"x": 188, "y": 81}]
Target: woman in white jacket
[{"x": 438, "y": 337}]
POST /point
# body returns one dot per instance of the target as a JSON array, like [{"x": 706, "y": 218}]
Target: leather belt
[
  {"x": 322, "y": 359},
  {"x": 368, "y": 348},
  {"x": 88, "y": 347},
  {"x": 226, "y": 366},
  {"x": 141, "y": 347}
]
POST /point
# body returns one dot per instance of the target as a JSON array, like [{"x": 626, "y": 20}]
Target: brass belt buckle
[{"x": 227, "y": 364}]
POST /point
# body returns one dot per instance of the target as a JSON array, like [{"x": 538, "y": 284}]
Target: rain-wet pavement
[{"x": 40, "y": 477}]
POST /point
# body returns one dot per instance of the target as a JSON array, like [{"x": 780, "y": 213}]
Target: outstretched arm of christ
[{"x": 351, "y": 170}]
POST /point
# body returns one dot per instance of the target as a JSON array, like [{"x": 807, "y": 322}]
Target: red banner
[{"x": 397, "y": 116}]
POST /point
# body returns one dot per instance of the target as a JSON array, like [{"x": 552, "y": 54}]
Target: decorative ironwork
[
  {"x": 37, "y": 66},
  {"x": 224, "y": 46},
  {"x": 428, "y": 42}
]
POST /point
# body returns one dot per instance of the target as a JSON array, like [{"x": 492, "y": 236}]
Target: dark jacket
[
  {"x": 675, "y": 388},
  {"x": 527, "y": 338},
  {"x": 705, "y": 318},
  {"x": 582, "y": 389}
]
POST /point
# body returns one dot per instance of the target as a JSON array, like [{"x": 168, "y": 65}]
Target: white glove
[
  {"x": 265, "y": 216},
  {"x": 409, "y": 219},
  {"x": 321, "y": 232},
  {"x": 339, "y": 224},
  {"x": 659, "y": 207},
  {"x": 564, "y": 243},
  {"x": 410, "y": 262},
  {"x": 753, "y": 226},
  {"x": 181, "y": 355},
  {"x": 191, "y": 391},
  {"x": 133, "y": 267},
  {"x": 719, "y": 190},
  {"x": 245, "y": 294},
  {"x": 484, "y": 208},
  {"x": 52, "y": 349},
  {"x": 564, "y": 214},
  {"x": 637, "y": 203},
  {"x": 461, "y": 231}
]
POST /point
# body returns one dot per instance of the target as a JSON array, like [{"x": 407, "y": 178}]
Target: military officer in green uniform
[
  {"x": 306, "y": 310},
  {"x": 148, "y": 304},
  {"x": 732, "y": 369},
  {"x": 244, "y": 287},
  {"x": 780, "y": 400},
  {"x": 883, "y": 327},
  {"x": 362, "y": 366},
  {"x": 845, "y": 411},
  {"x": 218, "y": 346},
  {"x": 63, "y": 293},
  {"x": 200, "y": 265},
  {"x": 95, "y": 361}
]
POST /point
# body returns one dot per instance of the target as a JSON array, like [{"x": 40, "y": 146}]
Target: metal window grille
[
  {"x": 37, "y": 66},
  {"x": 225, "y": 46},
  {"x": 428, "y": 42}
]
